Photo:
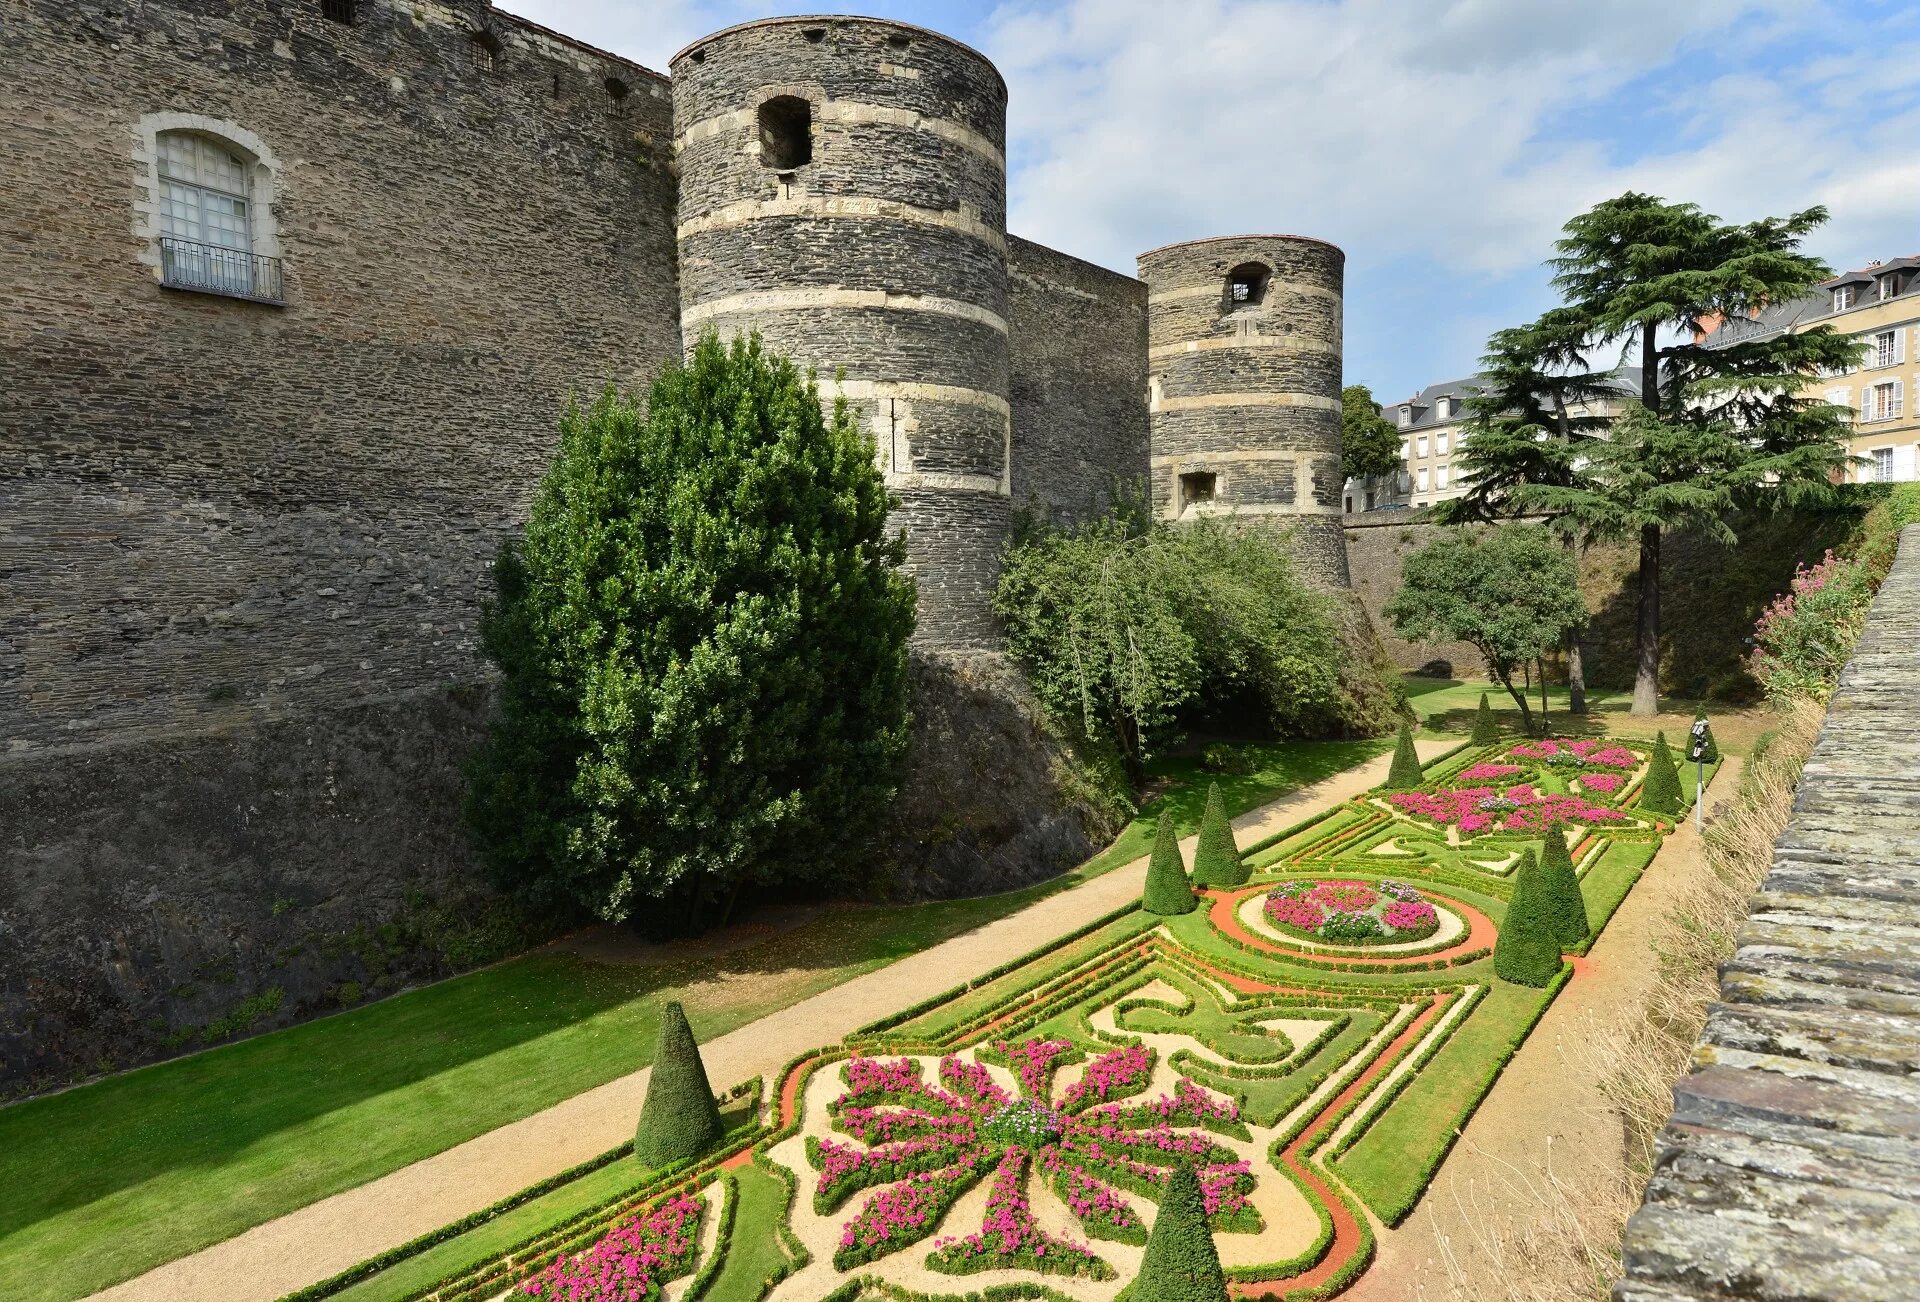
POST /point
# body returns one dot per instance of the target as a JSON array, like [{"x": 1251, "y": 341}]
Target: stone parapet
[{"x": 1791, "y": 1165}]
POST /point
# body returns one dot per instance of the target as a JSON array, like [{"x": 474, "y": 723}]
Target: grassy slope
[{"x": 111, "y": 1179}]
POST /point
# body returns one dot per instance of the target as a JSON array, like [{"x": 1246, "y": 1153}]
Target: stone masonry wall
[
  {"x": 1790, "y": 1167},
  {"x": 1079, "y": 388},
  {"x": 212, "y": 508}
]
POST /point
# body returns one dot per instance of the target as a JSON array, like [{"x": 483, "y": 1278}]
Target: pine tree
[
  {"x": 679, "y": 1120},
  {"x": 1181, "y": 1264},
  {"x": 1566, "y": 907},
  {"x": 702, "y": 639},
  {"x": 1661, "y": 790},
  {"x": 1216, "y": 859},
  {"x": 1168, "y": 892},
  {"x": 1527, "y": 953},
  {"x": 1405, "y": 773},
  {"x": 1713, "y": 428},
  {"x": 1485, "y": 730}
]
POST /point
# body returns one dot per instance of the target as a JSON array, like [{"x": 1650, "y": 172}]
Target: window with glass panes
[
  {"x": 1882, "y": 464},
  {"x": 203, "y": 193}
]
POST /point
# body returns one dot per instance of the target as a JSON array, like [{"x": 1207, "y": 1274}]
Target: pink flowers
[
  {"x": 1605, "y": 783},
  {"x": 1111, "y": 1075},
  {"x": 1010, "y": 1236},
  {"x": 630, "y": 1263},
  {"x": 1521, "y": 808},
  {"x": 1345, "y": 897},
  {"x": 1405, "y": 915},
  {"x": 1294, "y": 912},
  {"x": 1574, "y": 753},
  {"x": 1481, "y": 772},
  {"x": 1034, "y": 1061}
]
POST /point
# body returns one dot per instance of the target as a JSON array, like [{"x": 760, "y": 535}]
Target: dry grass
[{"x": 1570, "y": 1251}]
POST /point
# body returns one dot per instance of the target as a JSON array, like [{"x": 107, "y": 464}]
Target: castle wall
[
  {"x": 1079, "y": 380},
  {"x": 1245, "y": 391},
  {"x": 213, "y": 509},
  {"x": 880, "y": 255}
]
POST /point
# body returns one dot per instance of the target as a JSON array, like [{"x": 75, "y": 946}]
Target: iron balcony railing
[{"x": 211, "y": 269}]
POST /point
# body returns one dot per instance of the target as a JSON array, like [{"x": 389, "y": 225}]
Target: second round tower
[
  {"x": 843, "y": 191},
  {"x": 1243, "y": 388}
]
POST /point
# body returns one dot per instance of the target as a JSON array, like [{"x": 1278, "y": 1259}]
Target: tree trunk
[
  {"x": 1576, "y": 669},
  {"x": 1646, "y": 671},
  {"x": 1543, "y": 697},
  {"x": 1519, "y": 699}
]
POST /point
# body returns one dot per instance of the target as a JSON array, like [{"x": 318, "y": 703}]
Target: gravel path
[
  {"x": 1542, "y": 1103},
  {"x": 326, "y": 1237}
]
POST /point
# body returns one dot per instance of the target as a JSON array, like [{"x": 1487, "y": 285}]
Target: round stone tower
[
  {"x": 843, "y": 191},
  {"x": 1243, "y": 387}
]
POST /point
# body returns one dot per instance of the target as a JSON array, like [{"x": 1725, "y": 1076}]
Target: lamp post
[{"x": 1698, "y": 743}]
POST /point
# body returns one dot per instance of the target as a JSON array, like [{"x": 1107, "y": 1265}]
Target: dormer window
[
  {"x": 1843, "y": 298},
  {"x": 1442, "y": 407},
  {"x": 1406, "y": 415},
  {"x": 1887, "y": 287},
  {"x": 1247, "y": 284}
]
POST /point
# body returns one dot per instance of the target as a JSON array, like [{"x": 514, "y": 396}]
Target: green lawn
[
  {"x": 1446, "y": 706},
  {"x": 105, "y": 1181}
]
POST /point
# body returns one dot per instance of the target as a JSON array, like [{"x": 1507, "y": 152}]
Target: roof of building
[
  {"x": 1425, "y": 405},
  {"x": 1818, "y": 305}
]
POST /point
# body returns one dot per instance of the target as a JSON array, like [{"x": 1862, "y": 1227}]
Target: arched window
[
  {"x": 483, "y": 51},
  {"x": 786, "y": 132},
  {"x": 205, "y": 215},
  {"x": 1247, "y": 284}
]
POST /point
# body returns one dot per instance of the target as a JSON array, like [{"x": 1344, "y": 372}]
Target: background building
[{"x": 1879, "y": 305}]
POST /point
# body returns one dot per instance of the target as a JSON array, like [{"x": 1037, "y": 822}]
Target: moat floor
[
  {"x": 1545, "y": 1105},
  {"x": 327, "y": 1237}
]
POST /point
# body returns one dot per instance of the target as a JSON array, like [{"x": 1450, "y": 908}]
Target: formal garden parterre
[{"x": 1308, "y": 1043}]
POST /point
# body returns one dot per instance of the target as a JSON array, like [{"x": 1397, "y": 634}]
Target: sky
[{"x": 1441, "y": 145}]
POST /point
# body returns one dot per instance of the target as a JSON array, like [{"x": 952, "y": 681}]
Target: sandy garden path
[
  {"x": 1543, "y": 1102},
  {"x": 326, "y": 1237}
]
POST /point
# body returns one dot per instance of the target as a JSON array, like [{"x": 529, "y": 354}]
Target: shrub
[
  {"x": 1527, "y": 953},
  {"x": 1181, "y": 1264},
  {"x": 702, "y": 639},
  {"x": 1802, "y": 641},
  {"x": 1216, "y": 859},
  {"x": 1131, "y": 630},
  {"x": 1405, "y": 772},
  {"x": 1168, "y": 892},
  {"x": 1661, "y": 791},
  {"x": 679, "y": 1120},
  {"x": 1485, "y": 730},
  {"x": 1221, "y": 757},
  {"x": 1560, "y": 885}
]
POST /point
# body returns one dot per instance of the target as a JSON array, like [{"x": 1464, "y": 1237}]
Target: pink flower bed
[
  {"x": 1605, "y": 783},
  {"x": 1405, "y": 915},
  {"x": 1485, "y": 772},
  {"x": 1520, "y": 808},
  {"x": 630, "y": 1263},
  {"x": 1343, "y": 897},
  {"x": 944, "y": 1140},
  {"x": 1577, "y": 751},
  {"x": 1352, "y": 913}
]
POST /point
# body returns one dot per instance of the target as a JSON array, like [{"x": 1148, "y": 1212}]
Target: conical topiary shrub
[
  {"x": 1560, "y": 885},
  {"x": 1712, "y": 753},
  {"x": 1181, "y": 1264},
  {"x": 679, "y": 1119},
  {"x": 1168, "y": 892},
  {"x": 1661, "y": 791},
  {"x": 1526, "y": 952},
  {"x": 1216, "y": 860},
  {"x": 1485, "y": 730},
  {"x": 1405, "y": 774}
]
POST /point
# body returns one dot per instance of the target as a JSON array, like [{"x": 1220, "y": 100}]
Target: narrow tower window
[
  {"x": 483, "y": 51},
  {"x": 1246, "y": 284},
  {"x": 786, "y": 133}
]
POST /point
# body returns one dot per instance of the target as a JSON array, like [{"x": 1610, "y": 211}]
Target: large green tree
[
  {"x": 1713, "y": 428},
  {"x": 1535, "y": 412},
  {"x": 1510, "y": 592},
  {"x": 702, "y": 639},
  {"x": 1369, "y": 444}
]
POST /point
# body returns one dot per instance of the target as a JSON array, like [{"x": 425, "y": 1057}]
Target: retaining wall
[{"x": 1791, "y": 1165}]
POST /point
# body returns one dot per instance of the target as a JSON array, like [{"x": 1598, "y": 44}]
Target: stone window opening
[
  {"x": 483, "y": 51},
  {"x": 1197, "y": 487},
  {"x": 209, "y": 210},
  {"x": 340, "y": 11},
  {"x": 899, "y": 40},
  {"x": 786, "y": 133},
  {"x": 617, "y": 92},
  {"x": 1247, "y": 284},
  {"x": 815, "y": 35}
]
